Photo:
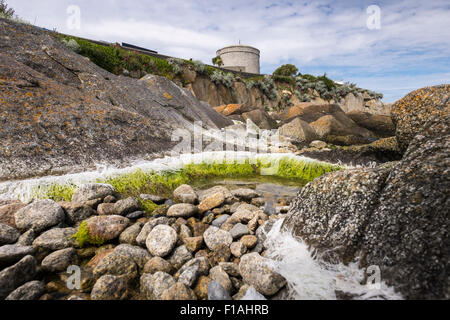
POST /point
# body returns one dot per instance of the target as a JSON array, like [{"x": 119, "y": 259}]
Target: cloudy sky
[{"x": 411, "y": 49}]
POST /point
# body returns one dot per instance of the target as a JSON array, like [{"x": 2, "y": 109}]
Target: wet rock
[
  {"x": 156, "y": 264},
  {"x": 221, "y": 254},
  {"x": 92, "y": 191},
  {"x": 239, "y": 230},
  {"x": 189, "y": 276},
  {"x": 215, "y": 237},
  {"x": 184, "y": 210},
  {"x": 238, "y": 249},
  {"x": 249, "y": 241},
  {"x": 217, "y": 274},
  {"x": 178, "y": 291},
  {"x": 185, "y": 194},
  {"x": 39, "y": 215},
  {"x": 110, "y": 287},
  {"x": 201, "y": 288},
  {"x": 29, "y": 291},
  {"x": 109, "y": 199},
  {"x": 126, "y": 206},
  {"x": 27, "y": 238},
  {"x": 185, "y": 232},
  {"x": 106, "y": 209},
  {"x": 142, "y": 237},
  {"x": 255, "y": 272},
  {"x": 245, "y": 194},
  {"x": 117, "y": 264},
  {"x": 11, "y": 253},
  {"x": 106, "y": 228},
  {"x": 135, "y": 215},
  {"x": 7, "y": 212},
  {"x": 153, "y": 198},
  {"x": 55, "y": 239},
  {"x": 179, "y": 257},
  {"x": 218, "y": 222},
  {"x": 161, "y": 240},
  {"x": 59, "y": 260},
  {"x": 16, "y": 275},
  {"x": 201, "y": 262},
  {"x": 211, "y": 202},
  {"x": 193, "y": 244},
  {"x": 8, "y": 234},
  {"x": 130, "y": 234},
  {"x": 217, "y": 189},
  {"x": 231, "y": 268},
  {"x": 269, "y": 208},
  {"x": 76, "y": 212},
  {"x": 139, "y": 255},
  {"x": 412, "y": 112},
  {"x": 252, "y": 294},
  {"x": 153, "y": 286},
  {"x": 217, "y": 292}
]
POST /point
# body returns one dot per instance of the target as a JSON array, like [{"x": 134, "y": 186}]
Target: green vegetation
[
  {"x": 163, "y": 183},
  {"x": 116, "y": 60},
  {"x": 148, "y": 206},
  {"x": 6, "y": 12},
  {"x": 83, "y": 237},
  {"x": 217, "y": 61},
  {"x": 286, "y": 70}
]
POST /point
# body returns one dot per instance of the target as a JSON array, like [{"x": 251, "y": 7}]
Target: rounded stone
[
  {"x": 8, "y": 234},
  {"x": 110, "y": 287},
  {"x": 39, "y": 215},
  {"x": 183, "y": 210},
  {"x": 161, "y": 240},
  {"x": 92, "y": 191},
  {"x": 59, "y": 260},
  {"x": 215, "y": 237},
  {"x": 185, "y": 194}
]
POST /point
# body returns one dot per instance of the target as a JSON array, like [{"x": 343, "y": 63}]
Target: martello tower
[{"x": 240, "y": 58}]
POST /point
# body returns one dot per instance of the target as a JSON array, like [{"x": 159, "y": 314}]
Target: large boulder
[
  {"x": 299, "y": 131},
  {"x": 261, "y": 118},
  {"x": 411, "y": 113},
  {"x": 382, "y": 126},
  {"x": 40, "y": 215},
  {"x": 396, "y": 216}
]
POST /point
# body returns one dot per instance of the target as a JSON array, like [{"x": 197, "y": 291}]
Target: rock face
[
  {"x": 57, "y": 105},
  {"x": 412, "y": 112},
  {"x": 395, "y": 216},
  {"x": 39, "y": 215}
]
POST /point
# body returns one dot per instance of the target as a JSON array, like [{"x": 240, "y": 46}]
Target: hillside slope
[{"x": 59, "y": 112}]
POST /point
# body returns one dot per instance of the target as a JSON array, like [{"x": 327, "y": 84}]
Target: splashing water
[
  {"x": 24, "y": 190},
  {"x": 309, "y": 278}
]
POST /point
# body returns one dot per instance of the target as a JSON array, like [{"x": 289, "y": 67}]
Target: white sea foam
[
  {"x": 310, "y": 278},
  {"x": 25, "y": 189}
]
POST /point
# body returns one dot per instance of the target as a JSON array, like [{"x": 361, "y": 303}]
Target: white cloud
[{"x": 322, "y": 35}]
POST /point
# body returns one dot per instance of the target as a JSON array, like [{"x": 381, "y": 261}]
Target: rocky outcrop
[
  {"x": 60, "y": 112},
  {"x": 394, "y": 216},
  {"x": 412, "y": 112}
]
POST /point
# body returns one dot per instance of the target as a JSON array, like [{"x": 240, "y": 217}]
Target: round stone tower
[{"x": 240, "y": 58}]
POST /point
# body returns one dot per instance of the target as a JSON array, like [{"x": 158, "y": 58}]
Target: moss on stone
[{"x": 83, "y": 237}]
